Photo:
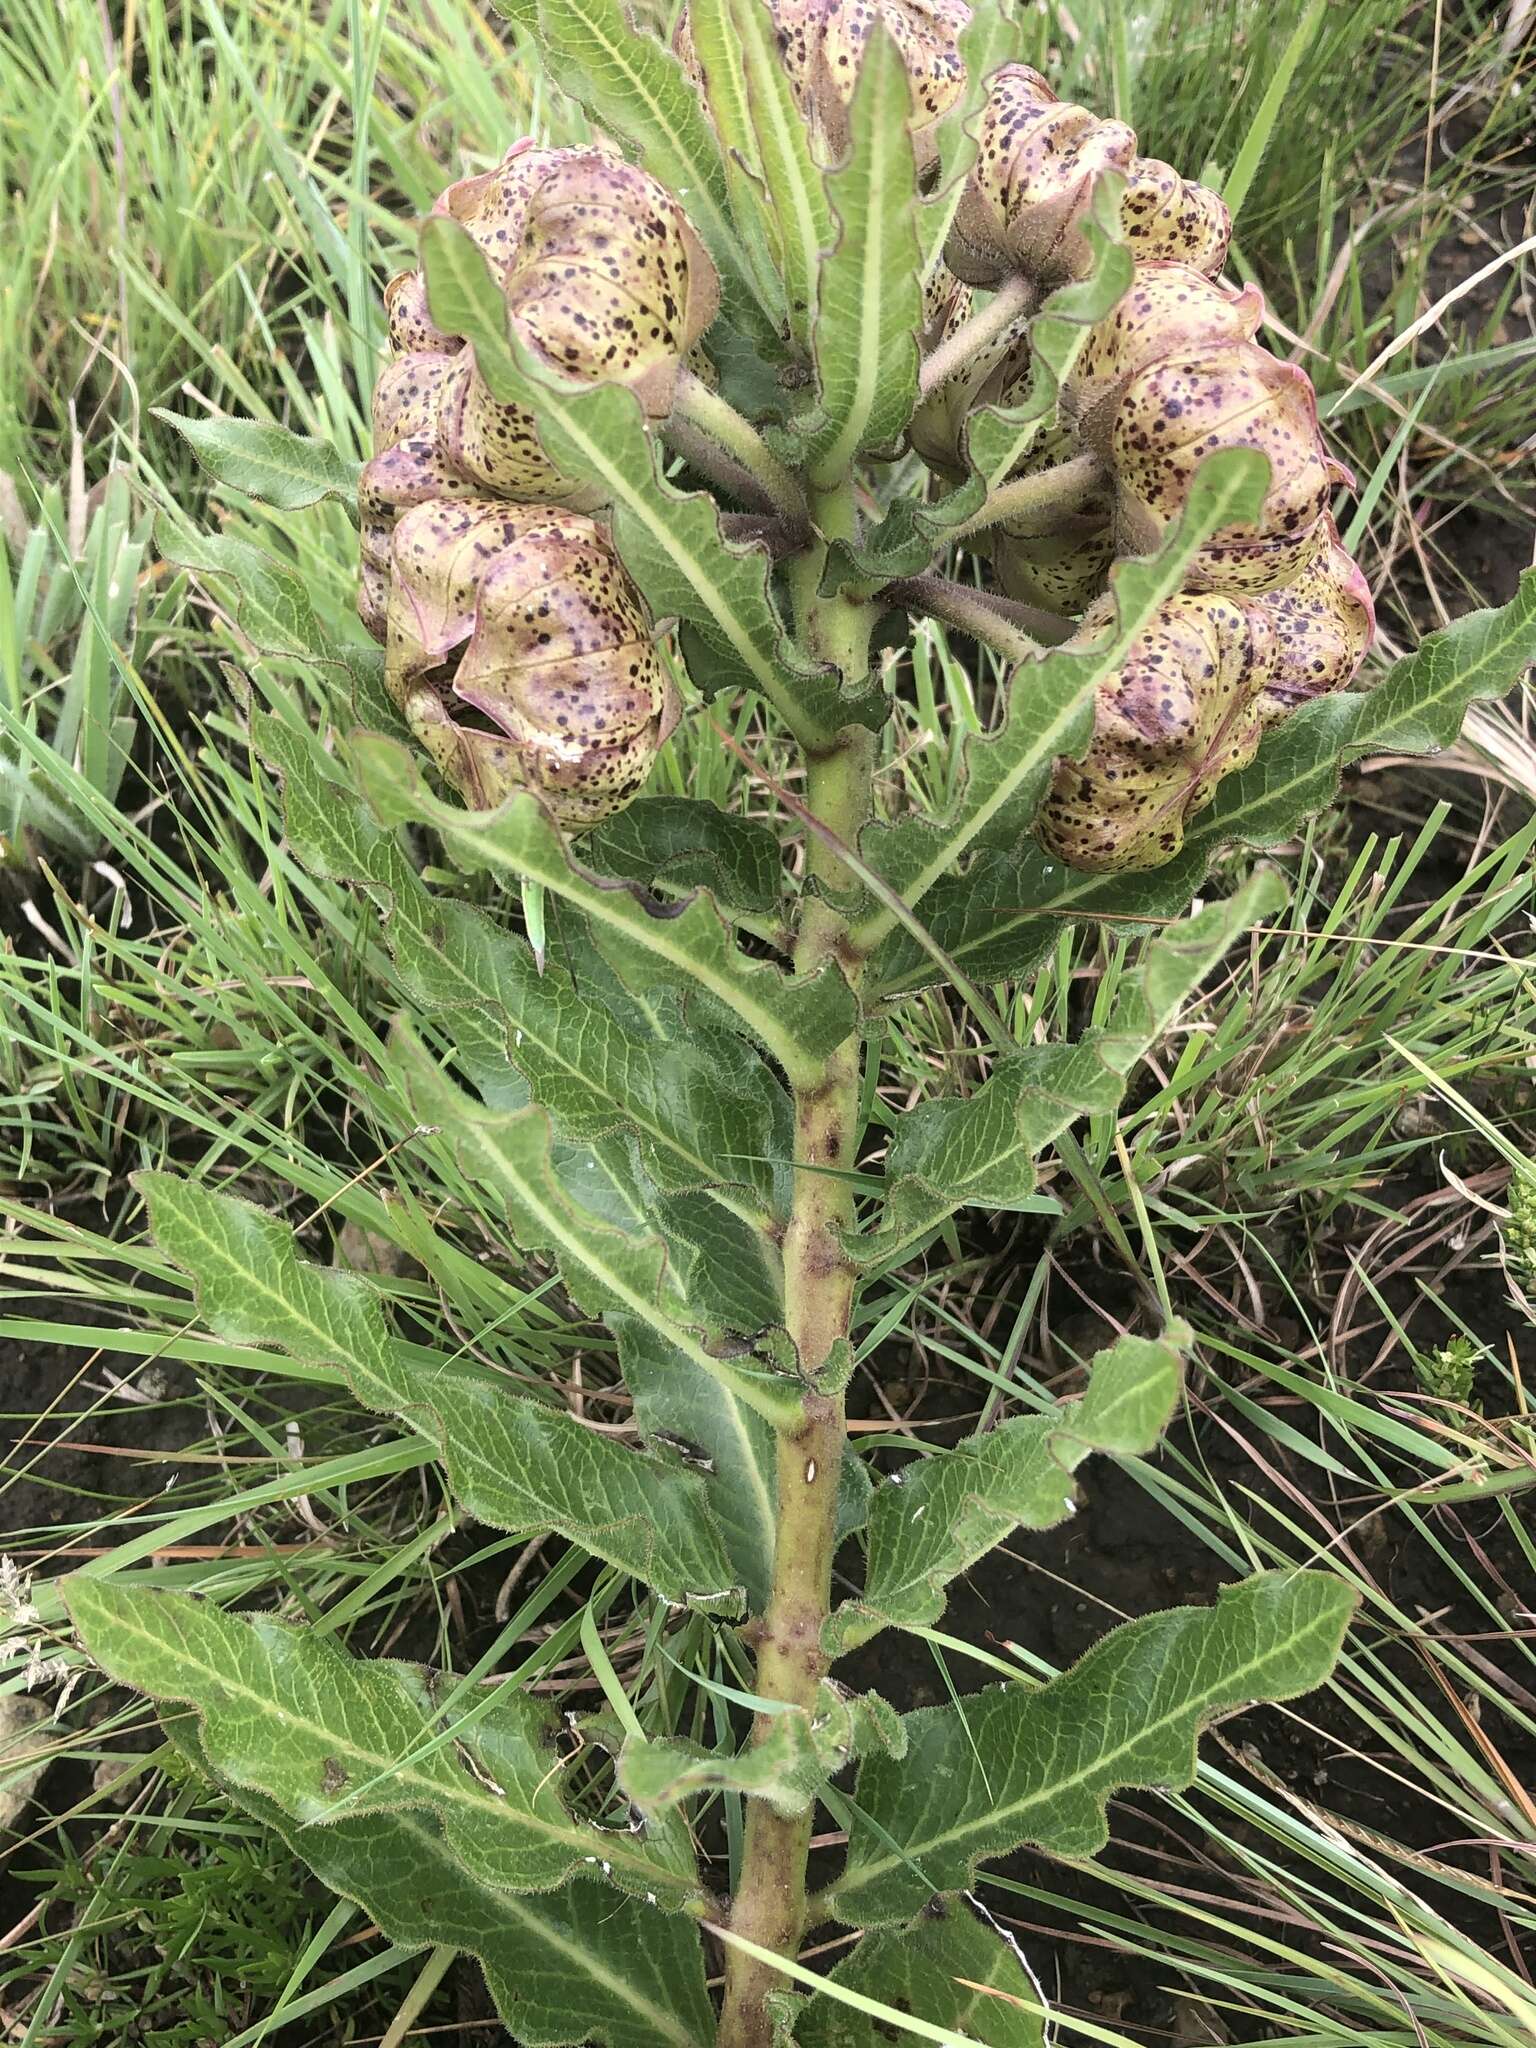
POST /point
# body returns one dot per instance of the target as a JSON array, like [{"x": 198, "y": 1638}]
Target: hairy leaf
[
  {"x": 564, "y": 1967},
  {"x": 871, "y": 296},
  {"x": 705, "y": 1109},
  {"x": 266, "y": 462},
  {"x": 610, "y": 1261},
  {"x": 979, "y": 1150},
  {"x": 513, "y": 1462},
  {"x": 955, "y": 1969},
  {"x": 729, "y": 112},
  {"x": 670, "y": 541},
  {"x": 327, "y": 1737},
  {"x": 670, "y": 945},
  {"x": 777, "y": 189},
  {"x": 1050, "y": 705},
  {"x": 786, "y": 1768},
  {"x": 935, "y": 1518},
  {"x": 715, "y": 1434},
  {"x": 634, "y": 88},
  {"x": 687, "y": 843},
  {"x": 1016, "y": 1764},
  {"x": 272, "y": 607}
]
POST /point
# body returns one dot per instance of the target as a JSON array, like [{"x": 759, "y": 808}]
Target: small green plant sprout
[
  {"x": 69, "y": 621},
  {"x": 841, "y": 323}
]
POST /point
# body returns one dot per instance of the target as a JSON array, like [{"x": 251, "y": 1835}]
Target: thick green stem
[
  {"x": 769, "y": 1907},
  {"x": 716, "y": 420},
  {"x": 978, "y": 335},
  {"x": 1035, "y": 503}
]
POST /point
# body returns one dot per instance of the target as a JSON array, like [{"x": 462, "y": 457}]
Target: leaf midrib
[
  {"x": 434, "y": 1793},
  {"x": 1231, "y": 1679}
]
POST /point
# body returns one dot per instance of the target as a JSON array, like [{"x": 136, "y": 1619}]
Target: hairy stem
[
  {"x": 1015, "y": 631},
  {"x": 976, "y": 335},
  {"x": 1042, "y": 498},
  {"x": 769, "y": 1907},
  {"x": 716, "y": 420}
]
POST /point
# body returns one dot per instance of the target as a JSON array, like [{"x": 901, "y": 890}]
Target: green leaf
[
  {"x": 270, "y": 463},
  {"x": 1001, "y": 915},
  {"x": 934, "y": 1519},
  {"x": 871, "y": 295},
  {"x": 670, "y": 540},
  {"x": 786, "y": 1768},
  {"x": 328, "y": 1737},
  {"x": 1017, "y": 1764},
  {"x": 272, "y": 606},
  {"x": 716, "y": 1437},
  {"x": 564, "y": 1967},
  {"x": 686, "y": 843},
  {"x": 1050, "y": 705},
  {"x": 634, "y": 88},
  {"x": 608, "y": 1261},
  {"x": 513, "y": 1462},
  {"x": 686, "y": 945},
  {"x": 955, "y": 1969},
  {"x": 704, "y": 1107},
  {"x": 980, "y": 1150},
  {"x": 776, "y": 188}
]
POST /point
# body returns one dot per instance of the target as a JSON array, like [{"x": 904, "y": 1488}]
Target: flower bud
[
  {"x": 1174, "y": 414},
  {"x": 412, "y": 329},
  {"x": 521, "y": 655},
  {"x": 1324, "y": 623},
  {"x": 604, "y": 277},
  {"x": 1036, "y": 163},
  {"x": 821, "y": 46},
  {"x": 1169, "y": 219},
  {"x": 1169, "y": 309},
  {"x": 1179, "y": 714}
]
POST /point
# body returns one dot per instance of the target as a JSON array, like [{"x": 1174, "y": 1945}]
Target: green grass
[{"x": 201, "y": 205}]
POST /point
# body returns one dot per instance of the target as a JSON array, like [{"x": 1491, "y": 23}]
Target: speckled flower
[
  {"x": 1169, "y": 219},
  {"x": 1180, "y": 713},
  {"x": 1061, "y": 571},
  {"x": 935, "y": 428},
  {"x": 1169, "y": 309},
  {"x": 1324, "y": 623},
  {"x": 412, "y": 329},
  {"x": 1036, "y": 163},
  {"x": 821, "y": 43},
  {"x": 603, "y": 274},
  {"x": 494, "y": 443},
  {"x": 1174, "y": 414},
  {"x": 408, "y": 468},
  {"x": 521, "y": 656}
]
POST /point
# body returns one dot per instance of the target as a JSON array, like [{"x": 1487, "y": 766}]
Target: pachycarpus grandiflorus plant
[{"x": 843, "y": 321}]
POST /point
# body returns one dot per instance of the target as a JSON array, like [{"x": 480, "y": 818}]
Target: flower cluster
[
  {"x": 517, "y": 647},
  {"x": 1274, "y": 613}
]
